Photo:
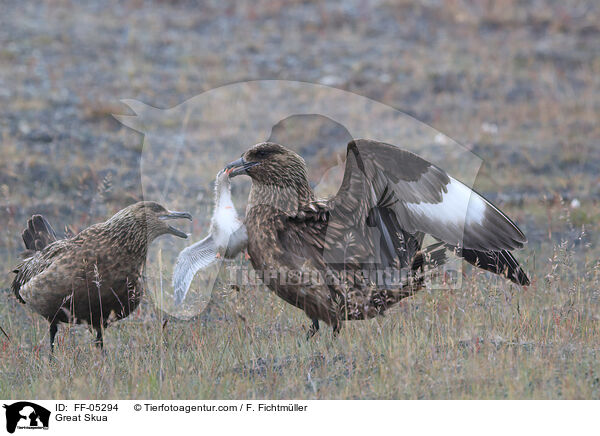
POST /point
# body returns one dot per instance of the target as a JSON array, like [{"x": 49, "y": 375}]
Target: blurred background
[{"x": 516, "y": 82}]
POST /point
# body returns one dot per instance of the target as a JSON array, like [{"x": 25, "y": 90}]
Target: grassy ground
[
  {"x": 488, "y": 340},
  {"x": 517, "y": 85}
]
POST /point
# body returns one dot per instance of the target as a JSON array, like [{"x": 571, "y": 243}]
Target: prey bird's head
[
  {"x": 223, "y": 182},
  {"x": 150, "y": 217},
  {"x": 270, "y": 163}
]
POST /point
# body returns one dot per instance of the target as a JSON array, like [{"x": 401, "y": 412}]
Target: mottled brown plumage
[
  {"x": 94, "y": 277},
  {"x": 314, "y": 254}
]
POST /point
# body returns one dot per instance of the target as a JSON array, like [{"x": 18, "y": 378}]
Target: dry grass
[{"x": 489, "y": 339}]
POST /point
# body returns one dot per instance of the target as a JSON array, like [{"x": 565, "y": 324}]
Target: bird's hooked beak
[
  {"x": 172, "y": 215},
  {"x": 239, "y": 167}
]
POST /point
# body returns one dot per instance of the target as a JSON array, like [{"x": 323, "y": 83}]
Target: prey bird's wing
[
  {"x": 399, "y": 193},
  {"x": 189, "y": 262}
]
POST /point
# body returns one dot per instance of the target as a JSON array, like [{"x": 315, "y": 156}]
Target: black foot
[{"x": 313, "y": 329}]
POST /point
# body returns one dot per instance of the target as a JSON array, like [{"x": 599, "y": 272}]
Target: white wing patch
[
  {"x": 190, "y": 260},
  {"x": 460, "y": 207},
  {"x": 457, "y": 203}
]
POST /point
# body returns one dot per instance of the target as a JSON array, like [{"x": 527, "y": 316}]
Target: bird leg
[
  {"x": 53, "y": 330},
  {"x": 99, "y": 341},
  {"x": 313, "y": 329},
  {"x": 337, "y": 327}
]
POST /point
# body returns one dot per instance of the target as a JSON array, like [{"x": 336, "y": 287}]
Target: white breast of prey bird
[{"x": 226, "y": 239}]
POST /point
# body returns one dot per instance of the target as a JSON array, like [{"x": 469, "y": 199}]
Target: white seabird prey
[{"x": 226, "y": 239}]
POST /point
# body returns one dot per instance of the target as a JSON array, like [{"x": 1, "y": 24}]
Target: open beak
[
  {"x": 172, "y": 215},
  {"x": 239, "y": 167}
]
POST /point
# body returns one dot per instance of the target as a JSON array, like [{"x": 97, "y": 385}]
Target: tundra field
[{"x": 516, "y": 82}]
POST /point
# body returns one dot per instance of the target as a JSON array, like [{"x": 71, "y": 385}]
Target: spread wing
[
  {"x": 189, "y": 262},
  {"x": 400, "y": 194}
]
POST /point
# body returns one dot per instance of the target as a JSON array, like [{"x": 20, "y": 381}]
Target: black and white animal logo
[{"x": 26, "y": 415}]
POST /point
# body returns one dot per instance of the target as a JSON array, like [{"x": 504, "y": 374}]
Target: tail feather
[{"x": 38, "y": 234}]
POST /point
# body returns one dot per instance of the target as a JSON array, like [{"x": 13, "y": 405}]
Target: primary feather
[{"x": 190, "y": 260}]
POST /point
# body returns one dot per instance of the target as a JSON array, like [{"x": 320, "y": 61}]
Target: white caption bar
[{"x": 266, "y": 417}]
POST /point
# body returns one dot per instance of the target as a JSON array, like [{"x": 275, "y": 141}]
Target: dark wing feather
[
  {"x": 498, "y": 262},
  {"x": 396, "y": 246},
  {"x": 302, "y": 235}
]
